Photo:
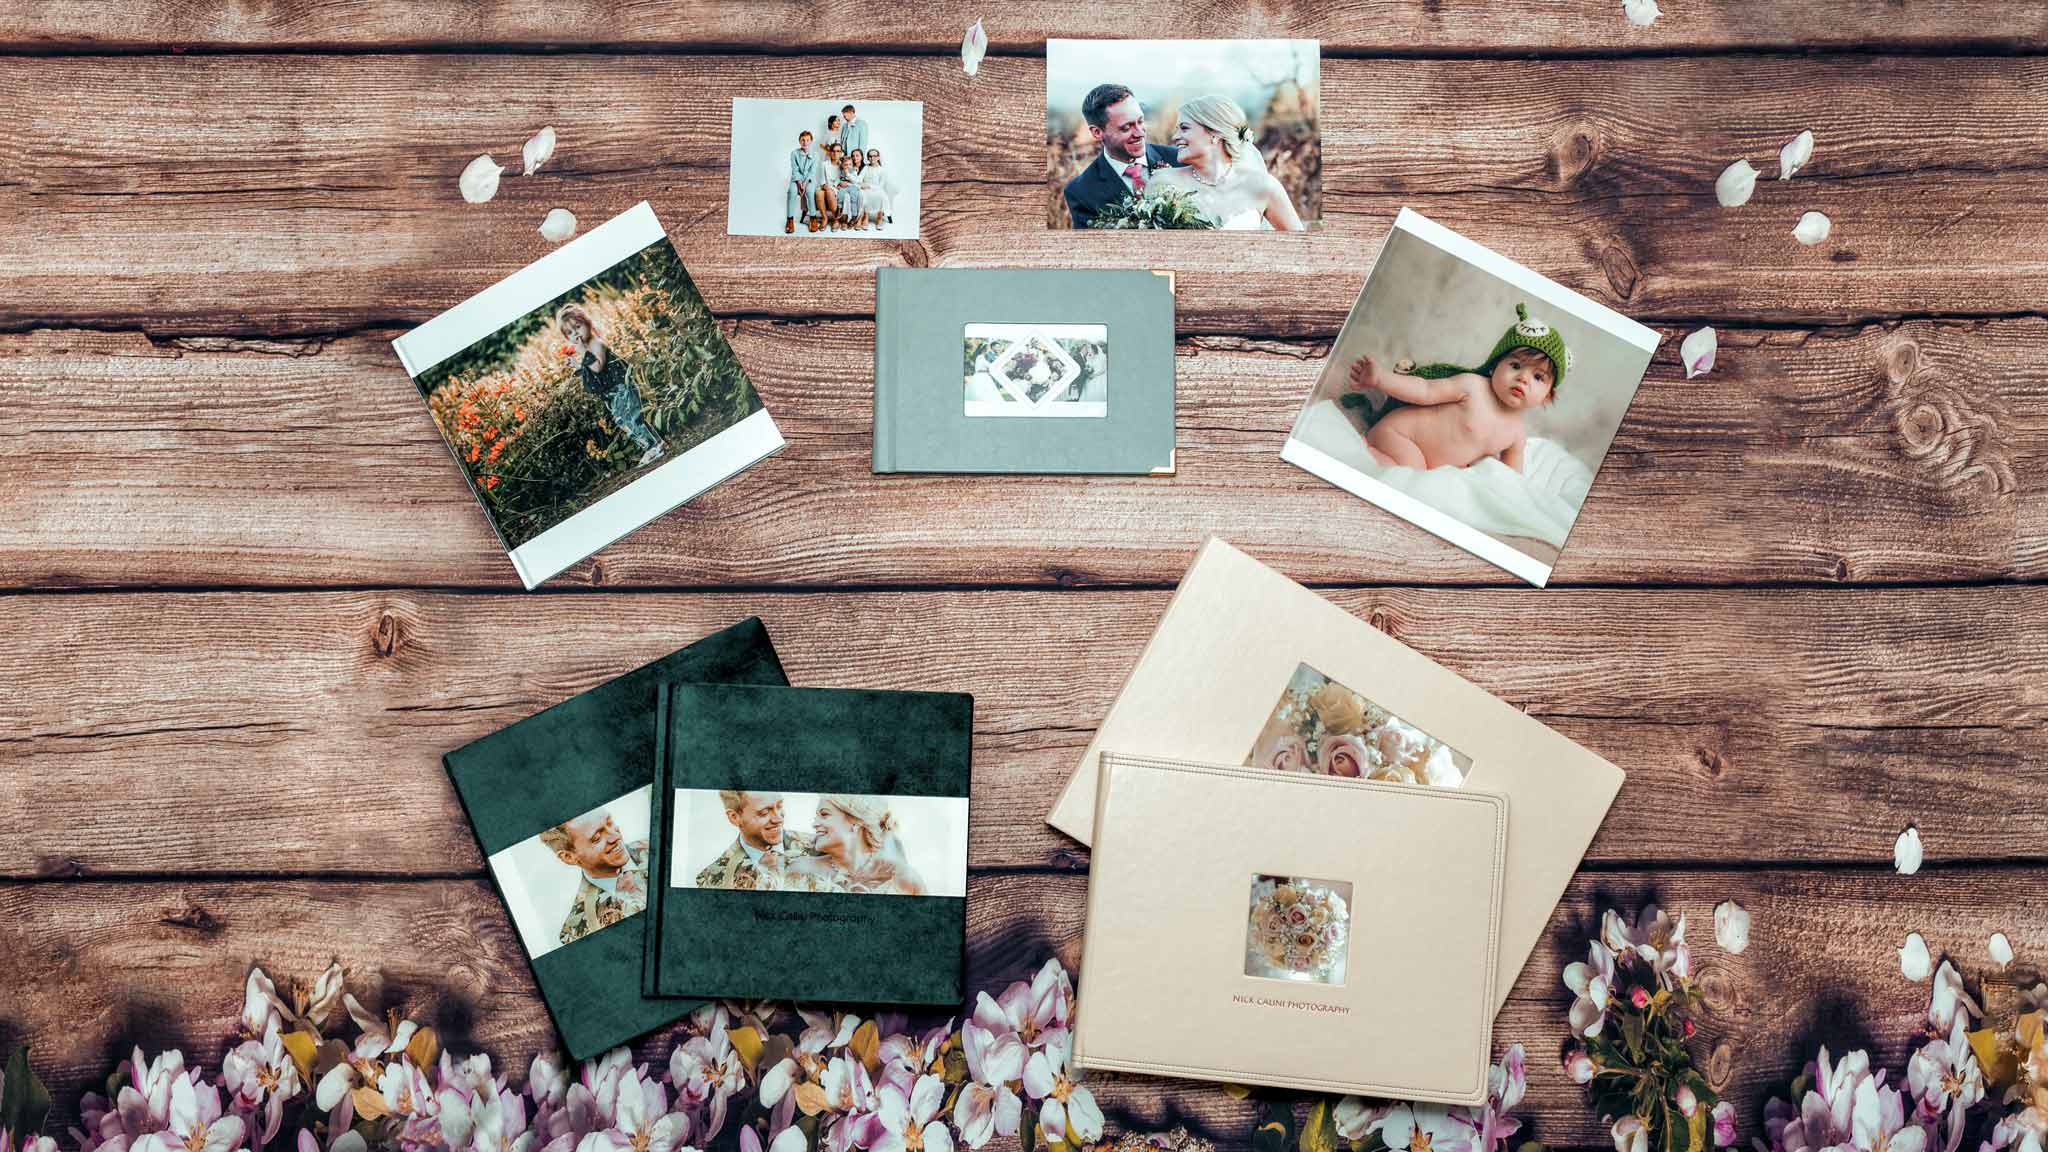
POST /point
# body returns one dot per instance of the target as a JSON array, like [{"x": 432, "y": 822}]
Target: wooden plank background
[{"x": 248, "y": 602}]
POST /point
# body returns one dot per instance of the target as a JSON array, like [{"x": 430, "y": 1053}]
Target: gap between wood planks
[{"x": 1612, "y": 867}]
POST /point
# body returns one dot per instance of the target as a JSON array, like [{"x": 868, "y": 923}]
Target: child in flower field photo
[
  {"x": 605, "y": 376},
  {"x": 578, "y": 397}
]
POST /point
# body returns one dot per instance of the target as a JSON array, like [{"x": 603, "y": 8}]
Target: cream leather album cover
[
  {"x": 1278, "y": 916},
  {"x": 1249, "y": 667}
]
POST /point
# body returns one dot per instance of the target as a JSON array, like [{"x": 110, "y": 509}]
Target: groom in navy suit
[{"x": 1116, "y": 121}]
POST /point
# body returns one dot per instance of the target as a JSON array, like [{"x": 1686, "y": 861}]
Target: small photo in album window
[
  {"x": 1036, "y": 369},
  {"x": 1320, "y": 726},
  {"x": 1298, "y": 929}
]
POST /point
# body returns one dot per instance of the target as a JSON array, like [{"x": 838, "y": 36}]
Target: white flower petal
[
  {"x": 480, "y": 180},
  {"x": 558, "y": 225},
  {"x": 1731, "y": 926},
  {"x": 338, "y": 1080},
  {"x": 1812, "y": 228},
  {"x": 1914, "y": 960},
  {"x": 536, "y": 151},
  {"x": 2001, "y": 950},
  {"x": 1736, "y": 184},
  {"x": 1641, "y": 13},
  {"x": 790, "y": 1139},
  {"x": 1794, "y": 155},
  {"x": 1906, "y": 851},
  {"x": 972, "y": 48},
  {"x": 1697, "y": 351}
]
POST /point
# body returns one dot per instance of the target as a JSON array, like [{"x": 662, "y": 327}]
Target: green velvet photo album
[
  {"x": 559, "y": 803},
  {"x": 810, "y": 844}
]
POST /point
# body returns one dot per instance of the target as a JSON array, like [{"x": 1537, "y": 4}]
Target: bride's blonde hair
[
  {"x": 1221, "y": 115},
  {"x": 869, "y": 813}
]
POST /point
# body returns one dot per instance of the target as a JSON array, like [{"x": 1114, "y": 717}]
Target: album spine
[
  {"x": 657, "y": 838},
  {"x": 885, "y": 361}
]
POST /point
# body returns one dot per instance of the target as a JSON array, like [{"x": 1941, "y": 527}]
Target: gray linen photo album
[{"x": 1024, "y": 370}]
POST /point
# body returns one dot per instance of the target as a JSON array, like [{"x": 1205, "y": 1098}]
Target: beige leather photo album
[
  {"x": 1263, "y": 929},
  {"x": 1248, "y": 667}
]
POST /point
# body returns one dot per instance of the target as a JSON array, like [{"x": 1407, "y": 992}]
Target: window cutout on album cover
[
  {"x": 1321, "y": 726},
  {"x": 1036, "y": 369},
  {"x": 1297, "y": 929}
]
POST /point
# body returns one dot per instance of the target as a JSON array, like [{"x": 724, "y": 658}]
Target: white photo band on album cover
[
  {"x": 578, "y": 877},
  {"x": 846, "y": 843},
  {"x": 1471, "y": 397}
]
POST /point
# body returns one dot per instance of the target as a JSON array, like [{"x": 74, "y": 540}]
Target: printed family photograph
[
  {"x": 578, "y": 877},
  {"x": 1321, "y": 726},
  {"x": 1472, "y": 397},
  {"x": 825, "y": 167},
  {"x": 820, "y": 842},
  {"x": 1195, "y": 134},
  {"x": 588, "y": 393}
]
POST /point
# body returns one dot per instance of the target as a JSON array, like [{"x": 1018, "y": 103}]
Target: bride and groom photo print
[
  {"x": 1198, "y": 134},
  {"x": 826, "y": 167}
]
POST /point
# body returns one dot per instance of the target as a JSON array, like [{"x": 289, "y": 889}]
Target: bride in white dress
[{"x": 1222, "y": 170}]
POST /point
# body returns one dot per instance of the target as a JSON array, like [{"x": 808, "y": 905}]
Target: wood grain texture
[
  {"x": 1751, "y": 713},
  {"x": 103, "y": 966},
  {"x": 283, "y": 195},
  {"x": 846, "y": 26},
  {"x": 1903, "y": 452}
]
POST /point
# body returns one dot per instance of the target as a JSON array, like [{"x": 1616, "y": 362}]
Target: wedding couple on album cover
[
  {"x": 837, "y": 182},
  {"x": 853, "y": 847},
  {"x": 1210, "y": 160}
]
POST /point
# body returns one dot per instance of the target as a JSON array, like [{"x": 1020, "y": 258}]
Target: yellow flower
[{"x": 1338, "y": 708}]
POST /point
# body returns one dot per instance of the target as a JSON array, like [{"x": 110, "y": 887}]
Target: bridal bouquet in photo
[{"x": 1163, "y": 208}]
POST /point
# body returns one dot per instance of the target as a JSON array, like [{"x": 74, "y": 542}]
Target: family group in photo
[
  {"x": 1210, "y": 160},
  {"x": 853, "y": 847},
  {"x": 614, "y": 882},
  {"x": 837, "y": 182}
]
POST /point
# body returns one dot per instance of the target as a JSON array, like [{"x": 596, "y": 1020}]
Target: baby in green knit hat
[{"x": 1454, "y": 416}]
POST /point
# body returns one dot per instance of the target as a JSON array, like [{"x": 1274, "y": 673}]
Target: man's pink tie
[{"x": 1136, "y": 175}]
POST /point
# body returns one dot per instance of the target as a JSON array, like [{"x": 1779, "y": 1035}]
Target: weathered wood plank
[
  {"x": 97, "y": 968},
  {"x": 136, "y": 722},
  {"x": 1367, "y": 26},
  {"x": 304, "y": 194},
  {"x": 1898, "y": 452}
]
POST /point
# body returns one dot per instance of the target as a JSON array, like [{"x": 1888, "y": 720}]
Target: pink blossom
[
  {"x": 706, "y": 1071},
  {"x": 912, "y": 1122},
  {"x": 196, "y": 1121},
  {"x": 906, "y": 1058},
  {"x": 1415, "y": 1127},
  {"x": 1049, "y": 1076},
  {"x": 1591, "y": 981},
  {"x": 1724, "y": 1124},
  {"x": 1580, "y": 1067},
  {"x": 1029, "y": 1010},
  {"x": 987, "y": 1105},
  {"x": 850, "y": 1092}
]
